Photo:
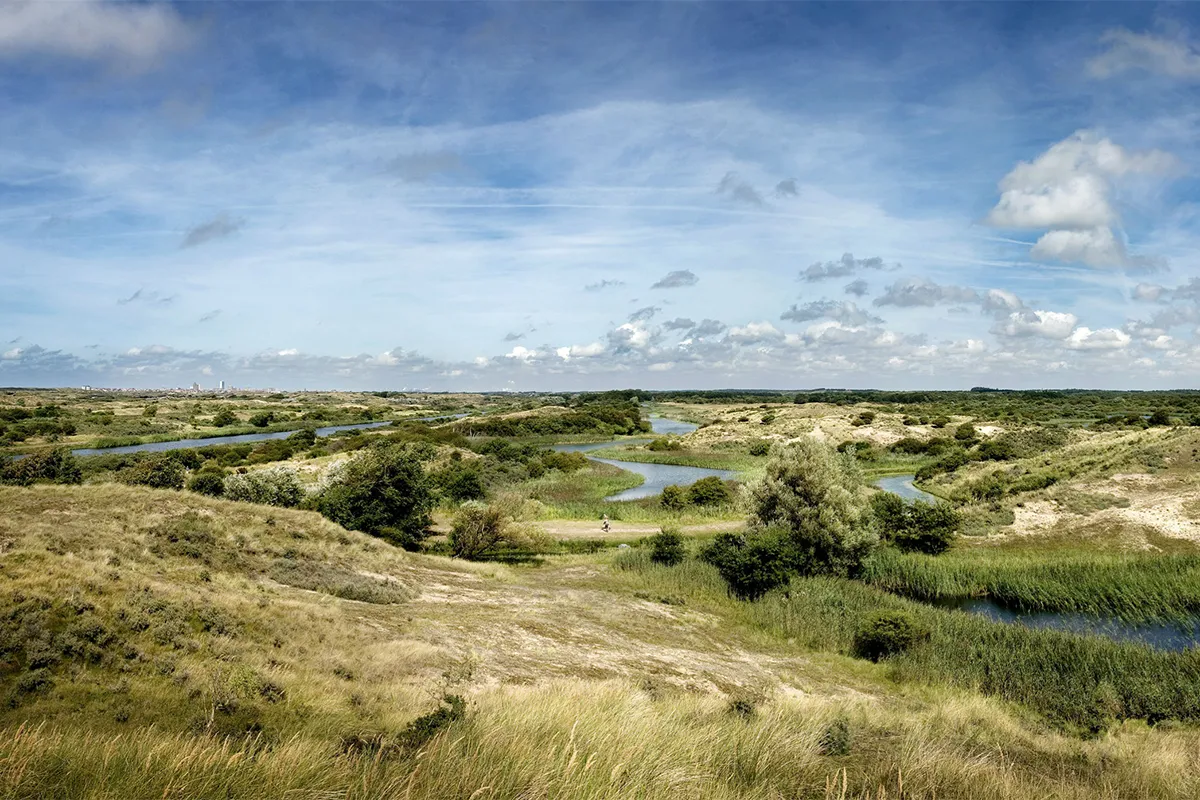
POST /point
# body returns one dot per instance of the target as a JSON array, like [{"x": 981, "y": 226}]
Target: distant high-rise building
[
  {"x": 195, "y": 387},
  {"x": 222, "y": 386}
]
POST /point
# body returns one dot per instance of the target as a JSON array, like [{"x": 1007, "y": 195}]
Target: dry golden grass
[{"x": 576, "y": 687}]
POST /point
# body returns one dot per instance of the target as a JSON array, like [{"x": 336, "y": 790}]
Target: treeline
[{"x": 599, "y": 416}]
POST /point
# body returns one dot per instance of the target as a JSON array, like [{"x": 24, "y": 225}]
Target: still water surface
[{"x": 657, "y": 476}]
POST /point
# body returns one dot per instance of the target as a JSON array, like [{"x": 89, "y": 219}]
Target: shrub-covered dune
[{"x": 163, "y": 644}]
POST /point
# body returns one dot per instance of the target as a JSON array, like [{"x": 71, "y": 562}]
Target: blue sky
[{"x": 564, "y": 196}]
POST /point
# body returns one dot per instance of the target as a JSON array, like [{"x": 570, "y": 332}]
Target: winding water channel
[
  {"x": 1162, "y": 636},
  {"x": 657, "y": 476}
]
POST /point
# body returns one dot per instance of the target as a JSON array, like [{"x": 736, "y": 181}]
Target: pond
[
  {"x": 903, "y": 486},
  {"x": 657, "y": 476},
  {"x": 1161, "y": 636}
]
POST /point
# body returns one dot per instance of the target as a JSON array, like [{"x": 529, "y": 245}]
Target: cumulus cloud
[
  {"x": 1083, "y": 338},
  {"x": 754, "y": 332},
  {"x": 1046, "y": 324},
  {"x": 218, "y": 227},
  {"x": 1068, "y": 189},
  {"x": 1001, "y": 301},
  {"x": 734, "y": 187},
  {"x": 1095, "y": 247},
  {"x": 130, "y": 36},
  {"x": 604, "y": 284},
  {"x": 912, "y": 292},
  {"x": 630, "y": 336},
  {"x": 1145, "y": 52},
  {"x": 708, "y": 327},
  {"x": 679, "y": 324},
  {"x": 677, "y": 279},
  {"x": 786, "y": 188},
  {"x": 846, "y": 265},
  {"x": 858, "y": 288},
  {"x": 845, "y": 312},
  {"x": 580, "y": 351}
]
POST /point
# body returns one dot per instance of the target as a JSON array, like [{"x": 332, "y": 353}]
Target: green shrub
[
  {"x": 865, "y": 418},
  {"x": 383, "y": 488},
  {"x": 209, "y": 482},
  {"x": 886, "y": 633},
  {"x": 667, "y": 548},
  {"x": 277, "y": 486},
  {"x": 941, "y": 421},
  {"x": 673, "y": 497},
  {"x": 262, "y": 419},
  {"x": 1159, "y": 417},
  {"x": 223, "y": 418},
  {"x": 760, "y": 448},
  {"x": 665, "y": 443},
  {"x": 965, "y": 432},
  {"x": 160, "y": 473},
  {"x": 710, "y": 491},
  {"x": 752, "y": 564},
  {"x": 915, "y": 527},
  {"x": 53, "y": 466},
  {"x": 816, "y": 495}
]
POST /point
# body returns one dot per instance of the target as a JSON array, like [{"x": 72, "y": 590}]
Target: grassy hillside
[{"x": 159, "y": 644}]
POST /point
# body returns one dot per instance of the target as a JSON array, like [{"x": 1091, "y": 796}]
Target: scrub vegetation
[{"x": 430, "y": 608}]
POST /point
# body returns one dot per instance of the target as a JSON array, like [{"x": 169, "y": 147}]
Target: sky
[{"x": 569, "y": 196}]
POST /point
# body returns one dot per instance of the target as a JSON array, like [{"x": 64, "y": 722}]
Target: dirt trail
[{"x": 590, "y": 529}]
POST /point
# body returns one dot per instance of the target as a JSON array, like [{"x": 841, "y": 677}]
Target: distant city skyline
[{"x": 578, "y": 196}]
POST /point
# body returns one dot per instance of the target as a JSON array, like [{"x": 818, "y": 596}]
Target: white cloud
[
  {"x": 1047, "y": 324},
  {"x": 291, "y": 351},
  {"x": 12, "y": 355},
  {"x": 1068, "y": 190},
  {"x": 753, "y": 332},
  {"x": 1083, "y": 338},
  {"x": 912, "y": 292},
  {"x": 1142, "y": 51},
  {"x": 1096, "y": 247},
  {"x": 521, "y": 353},
  {"x": 580, "y": 351},
  {"x": 1001, "y": 300},
  {"x": 130, "y": 35}
]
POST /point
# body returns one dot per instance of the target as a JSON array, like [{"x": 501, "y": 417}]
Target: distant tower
[
  {"x": 195, "y": 387},
  {"x": 222, "y": 386}
]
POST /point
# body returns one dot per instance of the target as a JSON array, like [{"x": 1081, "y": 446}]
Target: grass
[
  {"x": 185, "y": 669},
  {"x": 1082, "y": 683},
  {"x": 707, "y": 459},
  {"x": 1131, "y": 587}
]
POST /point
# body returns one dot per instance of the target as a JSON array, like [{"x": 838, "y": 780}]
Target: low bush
[
  {"x": 887, "y": 633},
  {"x": 760, "y": 448},
  {"x": 667, "y": 548},
  {"x": 673, "y": 497},
  {"x": 915, "y": 527},
  {"x": 208, "y": 482},
  {"x": 277, "y": 486},
  {"x": 710, "y": 491},
  {"x": 53, "y": 466},
  {"x": 159, "y": 473},
  {"x": 751, "y": 564}
]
